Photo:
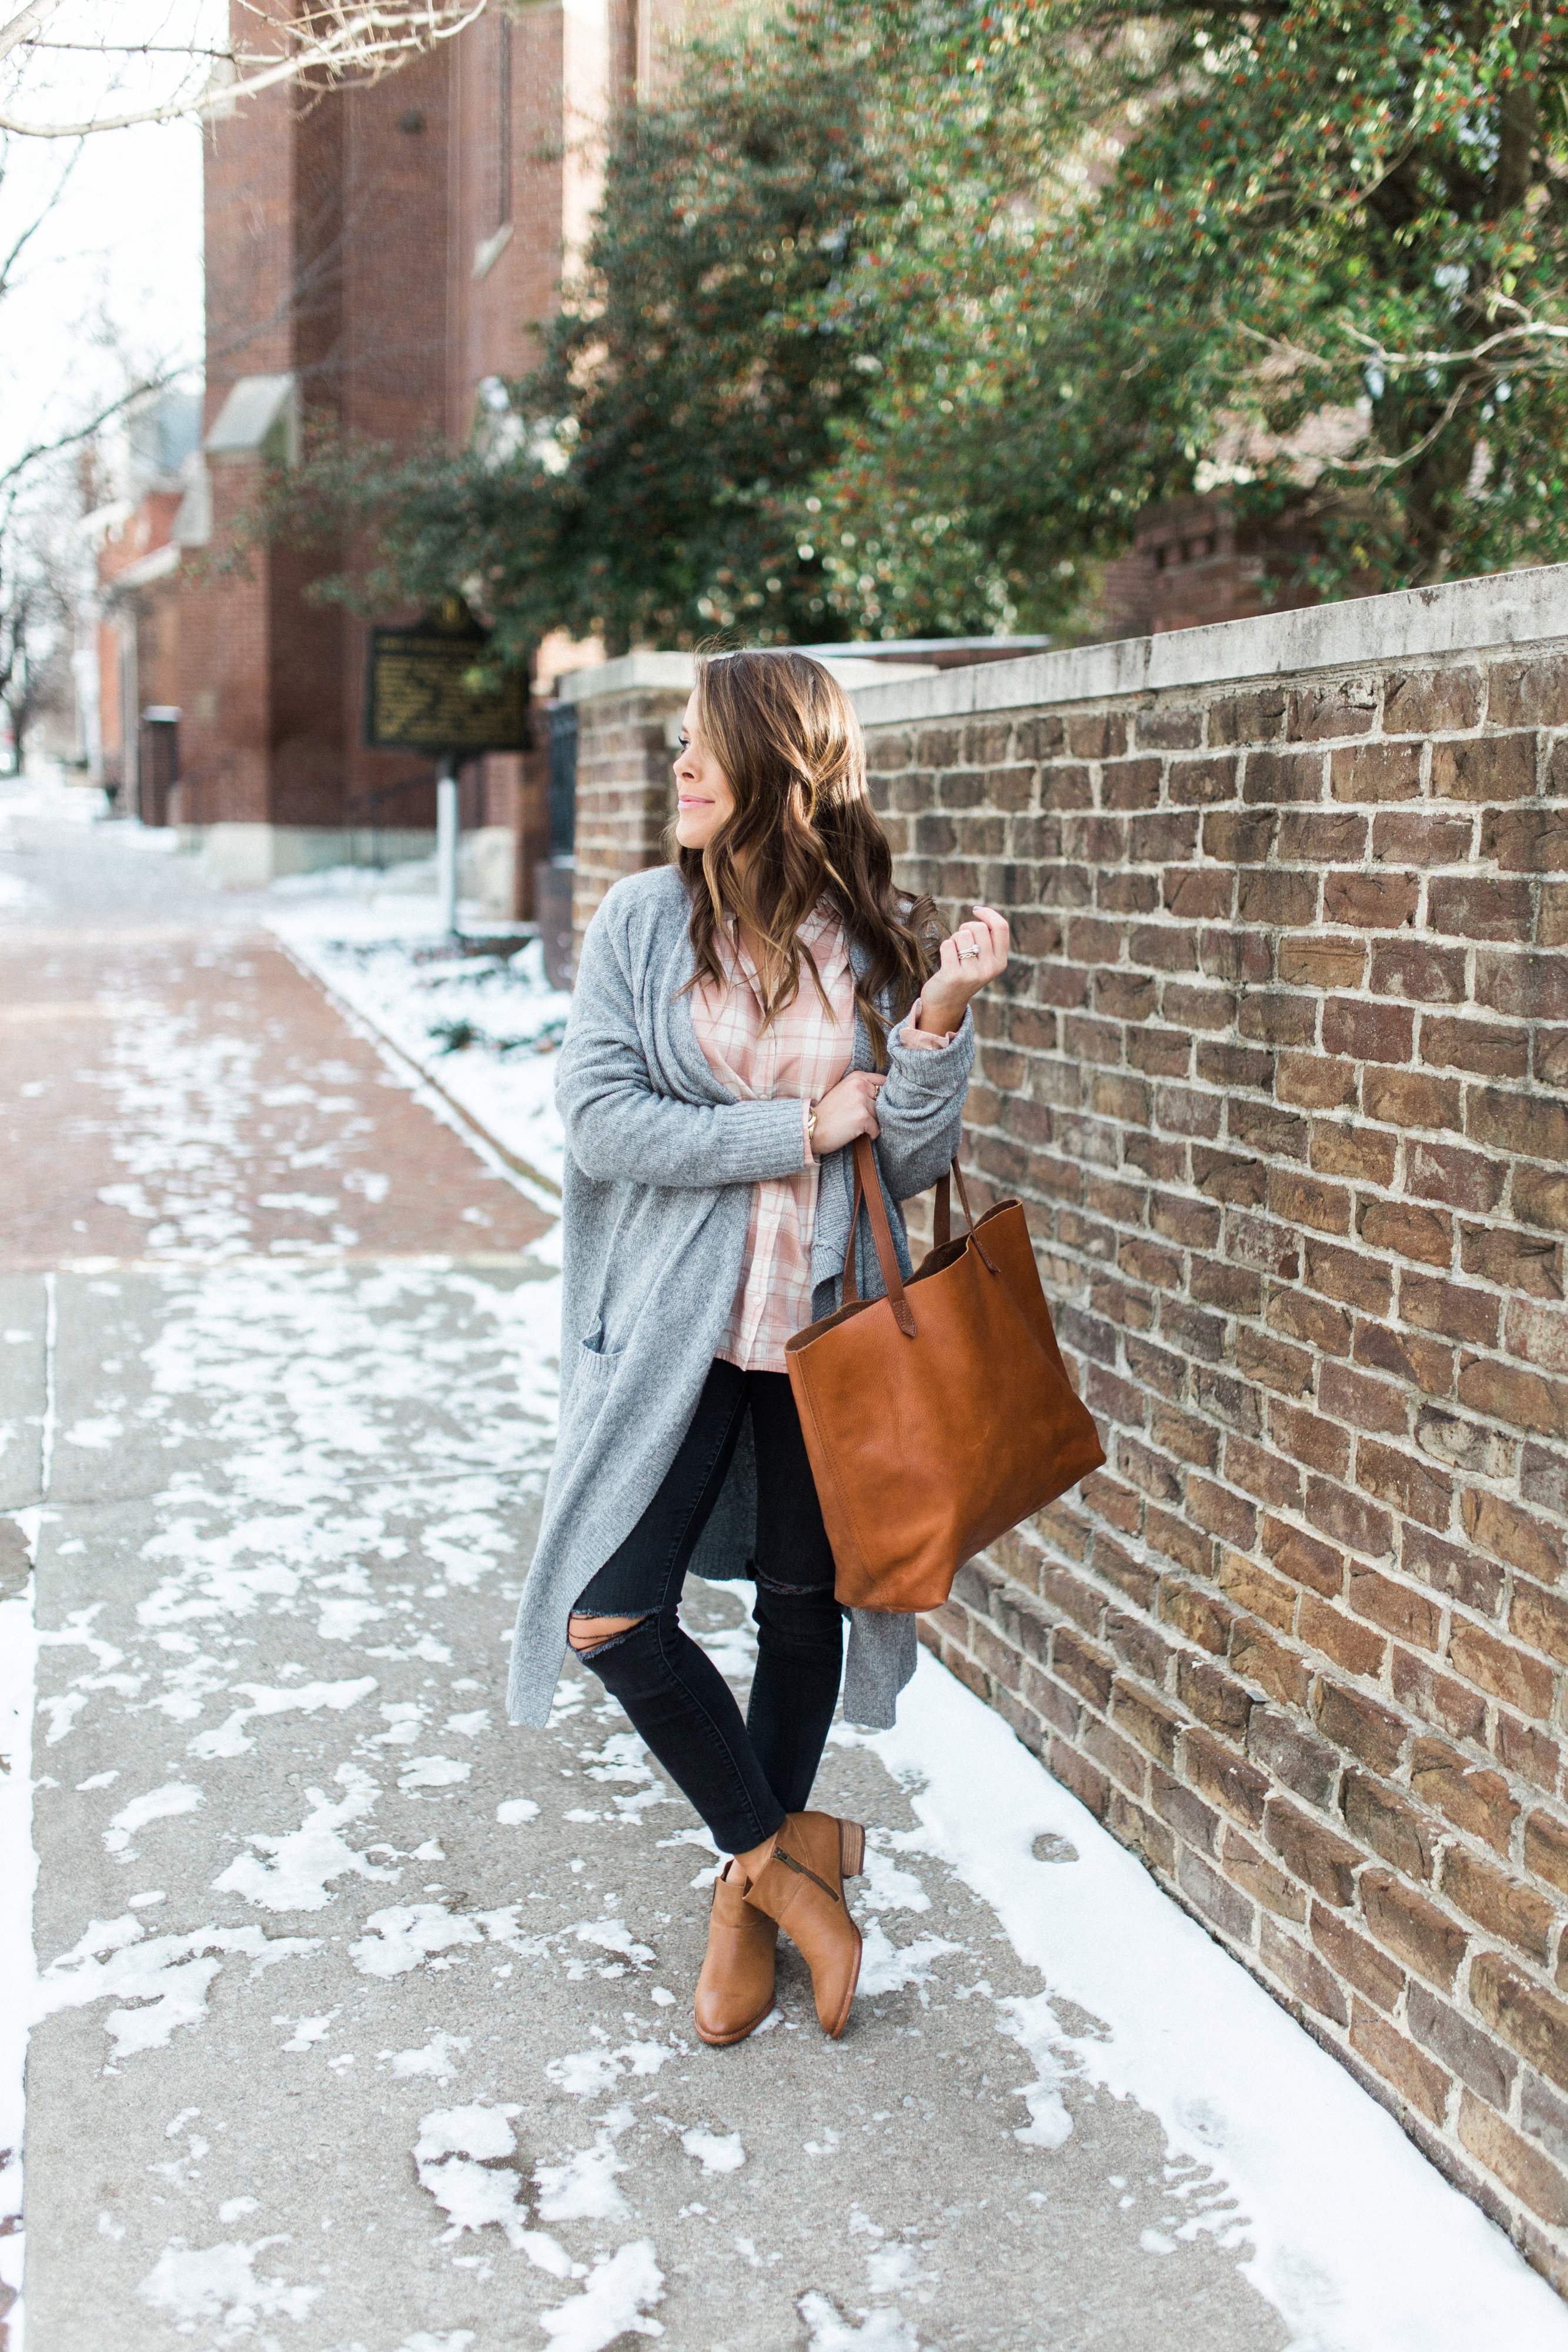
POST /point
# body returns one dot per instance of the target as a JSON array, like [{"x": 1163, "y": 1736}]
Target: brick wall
[
  {"x": 1280, "y": 1069},
  {"x": 625, "y": 709}
]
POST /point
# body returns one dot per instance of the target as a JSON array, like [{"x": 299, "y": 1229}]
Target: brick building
[
  {"x": 375, "y": 260},
  {"x": 1196, "y": 560},
  {"x": 136, "y": 543}
]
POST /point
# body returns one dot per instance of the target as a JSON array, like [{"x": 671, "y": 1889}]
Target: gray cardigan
[{"x": 660, "y": 1163}]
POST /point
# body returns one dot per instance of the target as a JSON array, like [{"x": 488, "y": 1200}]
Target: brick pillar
[{"x": 623, "y": 761}]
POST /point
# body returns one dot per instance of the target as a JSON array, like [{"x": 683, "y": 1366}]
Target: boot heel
[{"x": 852, "y": 1849}]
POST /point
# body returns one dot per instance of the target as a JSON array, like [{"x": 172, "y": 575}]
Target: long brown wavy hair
[{"x": 803, "y": 830}]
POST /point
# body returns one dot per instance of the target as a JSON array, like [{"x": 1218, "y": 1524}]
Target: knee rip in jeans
[
  {"x": 793, "y": 1591},
  {"x": 606, "y": 1634}
]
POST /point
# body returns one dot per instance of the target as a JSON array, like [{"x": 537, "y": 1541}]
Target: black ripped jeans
[{"x": 742, "y": 1777}]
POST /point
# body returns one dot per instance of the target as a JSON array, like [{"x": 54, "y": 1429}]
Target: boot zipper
[{"x": 800, "y": 1870}]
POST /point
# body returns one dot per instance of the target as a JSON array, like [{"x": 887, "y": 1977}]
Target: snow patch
[
  {"x": 456, "y": 2155},
  {"x": 159, "y": 1805},
  {"x": 892, "y": 2269},
  {"x": 886, "y": 1887},
  {"x": 308, "y": 2031},
  {"x": 466, "y": 2159},
  {"x": 887, "y": 1967},
  {"x": 438, "y": 2058},
  {"x": 881, "y": 2331},
  {"x": 219, "y": 2283},
  {"x": 625, "y": 1758},
  {"x": 583, "y": 2187},
  {"x": 613, "y": 1936},
  {"x": 716, "y": 2153},
  {"x": 167, "y": 1978},
  {"x": 432, "y": 1772},
  {"x": 302, "y": 1863},
  {"x": 516, "y": 1811},
  {"x": 404, "y": 1936},
  {"x": 469, "y": 1727},
  {"x": 583, "y": 2074},
  {"x": 1031, "y": 2020},
  {"x": 619, "y": 2290},
  {"x": 230, "y": 1739},
  {"x": 96, "y": 1434}
]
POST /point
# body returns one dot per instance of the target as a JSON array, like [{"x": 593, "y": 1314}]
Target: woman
[{"x": 739, "y": 1018}]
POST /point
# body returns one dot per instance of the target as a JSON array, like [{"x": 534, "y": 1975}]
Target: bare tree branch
[
  {"x": 1536, "y": 330},
  {"x": 25, "y": 235},
  {"x": 1372, "y": 351},
  {"x": 333, "y": 42},
  {"x": 25, "y": 25},
  {"x": 39, "y": 450}
]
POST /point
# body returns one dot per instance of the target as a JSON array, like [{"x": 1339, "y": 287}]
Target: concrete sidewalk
[{"x": 364, "y": 2019}]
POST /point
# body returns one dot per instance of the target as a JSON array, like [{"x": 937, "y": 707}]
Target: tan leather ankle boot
[
  {"x": 734, "y": 1990},
  {"x": 802, "y": 1885}
]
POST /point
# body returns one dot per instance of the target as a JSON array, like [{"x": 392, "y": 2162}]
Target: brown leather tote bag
[{"x": 938, "y": 1416}]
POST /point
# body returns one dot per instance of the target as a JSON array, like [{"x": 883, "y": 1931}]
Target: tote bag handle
[{"x": 868, "y": 1188}]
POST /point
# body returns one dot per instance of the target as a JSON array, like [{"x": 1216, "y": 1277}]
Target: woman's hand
[
  {"x": 845, "y": 1111},
  {"x": 976, "y": 954}
]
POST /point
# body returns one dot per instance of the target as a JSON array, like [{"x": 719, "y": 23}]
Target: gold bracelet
[{"x": 811, "y": 1127}]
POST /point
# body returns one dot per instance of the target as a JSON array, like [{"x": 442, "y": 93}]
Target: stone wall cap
[
  {"x": 651, "y": 672},
  {"x": 630, "y": 674},
  {"x": 1460, "y": 617}
]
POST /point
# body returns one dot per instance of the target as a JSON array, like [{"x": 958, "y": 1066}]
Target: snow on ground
[
  {"x": 297, "y": 1372},
  {"x": 168, "y": 1980},
  {"x": 18, "y": 1876},
  {"x": 208, "y": 2282},
  {"x": 1359, "y": 2243},
  {"x": 483, "y": 1028},
  {"x": 293, "y": 1368}
]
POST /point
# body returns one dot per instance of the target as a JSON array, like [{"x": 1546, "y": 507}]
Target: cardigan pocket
[
  {"x": 590, "y": 1387},
  {"x": 596, "y": 1367},
  {"x": 593, "y": 1383}
]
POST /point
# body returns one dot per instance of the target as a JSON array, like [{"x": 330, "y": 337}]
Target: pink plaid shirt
[{"x": 804, "y": 1051}]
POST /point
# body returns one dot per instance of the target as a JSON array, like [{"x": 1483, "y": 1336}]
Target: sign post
[
  {"x": 447, "y": 845},
  {"x": 426, "y": 692}
]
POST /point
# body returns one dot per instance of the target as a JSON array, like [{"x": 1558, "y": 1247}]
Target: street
[{"x": 362, "y": 2019}]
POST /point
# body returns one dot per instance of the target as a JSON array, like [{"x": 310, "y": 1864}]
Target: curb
[{"x": 464, "y": 1117}]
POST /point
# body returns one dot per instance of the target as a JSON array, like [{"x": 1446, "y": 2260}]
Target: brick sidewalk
[{"x": 283, "y": 1134}]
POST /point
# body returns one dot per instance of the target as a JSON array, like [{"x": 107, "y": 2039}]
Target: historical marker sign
[{"x": 422, "y": 695}]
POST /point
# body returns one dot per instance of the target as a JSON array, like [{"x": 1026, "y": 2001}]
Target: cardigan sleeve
[
  {"x": 920, "y": 1111},
  {"x": 618, "y": 1124}
]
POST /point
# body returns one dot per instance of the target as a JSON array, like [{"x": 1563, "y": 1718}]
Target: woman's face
[{"x": 705, "y": 801}]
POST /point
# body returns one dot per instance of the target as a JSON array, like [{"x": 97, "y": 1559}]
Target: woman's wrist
[{"x": 941, "y": 1007}]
